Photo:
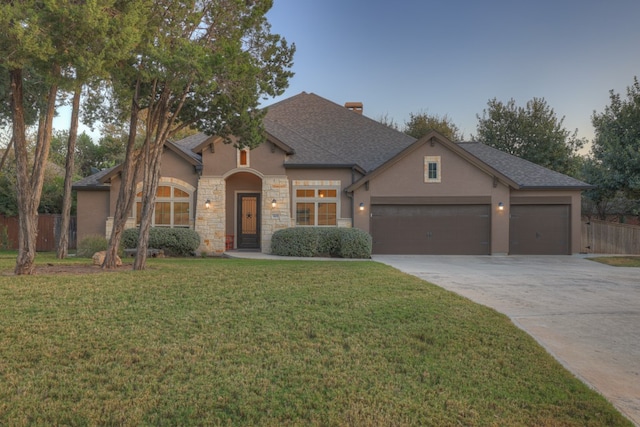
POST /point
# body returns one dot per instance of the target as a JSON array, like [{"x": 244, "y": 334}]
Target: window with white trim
[
  {"x": 432, "y": 172},
  {"x": 172, "y": 209},
  {"x": 243, "y": 157},
  {"x": 316, "y": 205}
]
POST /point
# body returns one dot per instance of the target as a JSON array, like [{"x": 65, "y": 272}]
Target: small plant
[{"x": 90, "y": 245}]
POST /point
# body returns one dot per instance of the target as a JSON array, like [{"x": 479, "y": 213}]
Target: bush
[
  {"x": 90, "y": 245},
  {"x": 321, "y": 241},
  {"x": 300, "y": 241},
  {"x": 173, "y": 241},
  {"x": 355, "y": 243}
]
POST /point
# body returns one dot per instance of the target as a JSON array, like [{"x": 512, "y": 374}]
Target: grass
[
  {"x": 239, "y": 342},
  {"x": 619, "y": 261}
]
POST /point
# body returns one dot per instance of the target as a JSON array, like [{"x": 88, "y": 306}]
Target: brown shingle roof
[
  {"x": 526, "y": 174},
  {"x": 324, "y": 133}
]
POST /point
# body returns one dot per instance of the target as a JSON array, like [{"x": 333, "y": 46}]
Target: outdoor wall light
[
  {"x": 500, "y": 206},
  {"x": 273, "y": 203},
  {"x": 361, "y": 206},
  {"x": 207, "y": 204}
]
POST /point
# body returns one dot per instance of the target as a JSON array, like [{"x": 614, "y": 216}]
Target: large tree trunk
[
  {"x": 26, "y": 224},
  {"x": 127, "y": 189},
  {"x": 153, "y": 156},
  {"x": 29, "y": 188},
  {"x": 63, "y": 240}
]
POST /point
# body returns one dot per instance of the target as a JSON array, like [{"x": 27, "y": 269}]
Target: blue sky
[{"x": 452, "y": 56}]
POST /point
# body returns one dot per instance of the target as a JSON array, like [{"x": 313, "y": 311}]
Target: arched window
[{"x": 172, "y": 209}]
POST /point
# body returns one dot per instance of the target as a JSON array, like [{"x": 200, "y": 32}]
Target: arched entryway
[{"x": 243, "y": 210}]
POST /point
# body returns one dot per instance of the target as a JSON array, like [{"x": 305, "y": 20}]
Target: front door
[{"x": 248, "y": 221}]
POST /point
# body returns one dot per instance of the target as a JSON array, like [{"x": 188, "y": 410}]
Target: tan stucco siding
[
  {"x": 224, "y": 158},
  {"x": 93, "y": 209},
  {"x": 459, "y": 179}
]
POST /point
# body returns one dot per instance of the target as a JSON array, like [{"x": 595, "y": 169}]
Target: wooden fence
[
  {"x": 602, "y": 237},
  {"x": 48, "y": 231}
]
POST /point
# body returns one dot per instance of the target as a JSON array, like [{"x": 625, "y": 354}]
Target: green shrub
[
  {"x": 355, "y": 243},
  {"x": 90, "y": 245},
  {"x": 173, "y": 241},
  {"x": 298, "y": 241},
  {"x": 329, "y": 241},
  {"x": 321, "y": 241}
]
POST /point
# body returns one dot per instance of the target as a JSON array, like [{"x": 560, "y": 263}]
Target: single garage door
[
  {"x": 539, "y": 230},
  {"x": 431, "y": 229}
]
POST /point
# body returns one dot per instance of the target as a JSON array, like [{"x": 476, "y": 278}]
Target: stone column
[
  {"x": 210, "y": 223},
  {"x": 275, "y": 187}
]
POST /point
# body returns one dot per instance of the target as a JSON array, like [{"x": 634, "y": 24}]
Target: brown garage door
[
  {"x": 539, "y": 230},
  {"x": 431, "y": 229}
]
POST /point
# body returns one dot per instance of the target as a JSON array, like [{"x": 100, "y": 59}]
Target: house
[{"x": 323, "y": 164}]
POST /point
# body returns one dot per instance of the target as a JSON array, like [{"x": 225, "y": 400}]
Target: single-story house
[{"x": 324, "y": 164}]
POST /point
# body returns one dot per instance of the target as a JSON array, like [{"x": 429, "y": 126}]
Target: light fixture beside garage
[
  {"x": 500, "y": 206},
  {"x": 361, "y": 206},
  {"x": 274, "y": 203},
  {"x": 207, "y": 204}
]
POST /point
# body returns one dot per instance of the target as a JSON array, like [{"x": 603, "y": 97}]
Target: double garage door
[
  {"x": 431, "y": 229},
  {"x": 466, "y": 229}
]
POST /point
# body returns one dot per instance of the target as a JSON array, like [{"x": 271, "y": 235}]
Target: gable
[{"x": 409, "y": 174}]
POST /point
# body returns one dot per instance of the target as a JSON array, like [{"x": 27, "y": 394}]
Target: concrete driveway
[{"x": 586, "y": 314}]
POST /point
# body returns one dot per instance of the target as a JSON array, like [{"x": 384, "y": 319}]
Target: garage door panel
[
  {"x": 430, "y": 229},
  {"x": 539, "y": 230}
]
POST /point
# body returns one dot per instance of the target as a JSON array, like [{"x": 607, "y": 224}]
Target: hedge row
[
  {"x": 321, "y": 241},
  {"x": 173, "y": 241}
]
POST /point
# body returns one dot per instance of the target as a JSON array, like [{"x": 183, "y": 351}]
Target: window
[
  {"x": 173, "y": 205},
  {"x": 243, "y": 157},
  {"x": 432, "y": 172},
  {"x": 316, "y": 206}
]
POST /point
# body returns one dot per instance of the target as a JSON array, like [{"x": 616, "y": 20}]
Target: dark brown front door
[{"x": 248, "y": 221}]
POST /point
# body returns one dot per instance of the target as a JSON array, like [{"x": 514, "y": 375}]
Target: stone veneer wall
[
  {"x": 131, "y": 223},
  {"x": 210, "y": 223},
  {"x": 278, "y": 217}
]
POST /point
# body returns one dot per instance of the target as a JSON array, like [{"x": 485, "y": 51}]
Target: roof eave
[
  {"x": 206, "y": 143},
  {"x": 557, "y": 187},
  {"x": 325, "y": 166}
]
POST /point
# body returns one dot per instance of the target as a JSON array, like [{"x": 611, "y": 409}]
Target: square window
[
  {"x": 305, "y": 214},
  {"x": 327, "y": 214}
]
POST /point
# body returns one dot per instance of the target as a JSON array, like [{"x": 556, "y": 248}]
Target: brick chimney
[{"x": 354, "y": 106}]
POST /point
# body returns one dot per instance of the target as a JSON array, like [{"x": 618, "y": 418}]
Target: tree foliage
[
  {"x": 616, "y": 146},
  {"x": 532, "y": 132},
  {"x": 420, "y": 124},
  {"x": 200, "y": 64}
]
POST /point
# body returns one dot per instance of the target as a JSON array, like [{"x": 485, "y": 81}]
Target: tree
[
  {"x": 532, "y": 132},
  {"x": 388, "y": 121},
  {"x": 203, "y": 65},
  {"x": 616, "y": 146},
  {"x": 422, "y": 123},
  {"x": 43, "y": 42}
]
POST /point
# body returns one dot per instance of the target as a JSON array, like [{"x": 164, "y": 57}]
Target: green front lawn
[
  {"x": 619, "y": 261},
  {"x": 238, "y": 342}
]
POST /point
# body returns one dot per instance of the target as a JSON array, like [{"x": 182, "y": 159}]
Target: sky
[{"x": 450, "y": 57}]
